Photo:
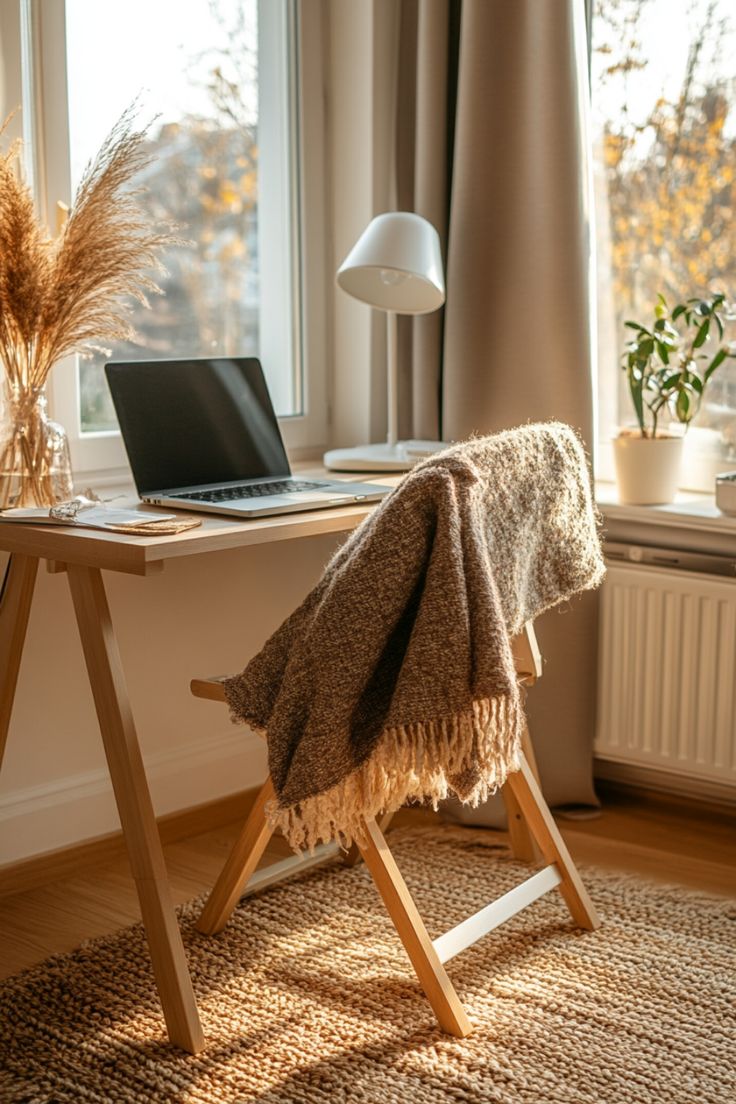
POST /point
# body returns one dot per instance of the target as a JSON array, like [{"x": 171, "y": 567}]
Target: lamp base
[{"x": 384, "y": 457}]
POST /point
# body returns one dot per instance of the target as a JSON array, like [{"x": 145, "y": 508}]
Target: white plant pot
[{"x": 647, "y": 469}]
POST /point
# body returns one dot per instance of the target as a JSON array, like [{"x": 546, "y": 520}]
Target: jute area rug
[{"x": 307, "y": 997}]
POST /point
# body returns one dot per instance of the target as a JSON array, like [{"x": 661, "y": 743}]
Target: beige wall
[
  {"x": 209, "y": 614},
  {"x": 204, "y": 615}
]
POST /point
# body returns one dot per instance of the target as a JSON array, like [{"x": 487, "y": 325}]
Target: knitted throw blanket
[{"x": 394, "y": 679}]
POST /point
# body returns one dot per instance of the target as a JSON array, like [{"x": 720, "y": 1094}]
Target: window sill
[
  {"x": 107, "y": 483},
  {"x": 691, "y": 521}
]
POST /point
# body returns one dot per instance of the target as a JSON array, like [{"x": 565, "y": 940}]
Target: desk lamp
[{"x": 395, "y": 266}]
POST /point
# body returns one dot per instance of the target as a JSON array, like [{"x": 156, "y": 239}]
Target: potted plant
[{"x": 667, "y": 372}]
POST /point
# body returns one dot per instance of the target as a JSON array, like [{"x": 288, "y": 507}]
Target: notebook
[{"x": 201, "y": 434}]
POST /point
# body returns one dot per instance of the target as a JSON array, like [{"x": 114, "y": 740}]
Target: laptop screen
[{"x": 186, "y": 423}]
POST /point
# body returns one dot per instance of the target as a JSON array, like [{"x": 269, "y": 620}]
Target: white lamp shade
[{"x": 396, "y": 265}]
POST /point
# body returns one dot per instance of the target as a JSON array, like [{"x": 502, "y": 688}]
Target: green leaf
[
  {"x": 635, "y": 326},
  {"x": 716, "y": 362},
  {"x": 702, "y": 334},
  {"x": 635, "y": 390},
  {"x": 664, "y": 355},
  {"x": 682, "y": 406},
  {"x": 679, "y": 309}
]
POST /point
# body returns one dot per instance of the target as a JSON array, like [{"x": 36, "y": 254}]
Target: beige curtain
[{"x": 492, "y": 148}]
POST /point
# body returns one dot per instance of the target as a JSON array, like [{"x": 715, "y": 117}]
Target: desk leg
[
  {"x": 134, "y": 806},
  {"x": 15, "y": 608}
]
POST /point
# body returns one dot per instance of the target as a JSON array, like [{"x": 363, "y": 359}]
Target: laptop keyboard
[{"x": 250, "y": 490}]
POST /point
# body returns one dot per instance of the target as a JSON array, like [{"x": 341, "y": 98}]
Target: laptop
[{"x": 201, "y": 434}]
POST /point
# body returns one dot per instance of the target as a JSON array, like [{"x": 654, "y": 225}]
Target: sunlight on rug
[{"x": 307, "y": 997}]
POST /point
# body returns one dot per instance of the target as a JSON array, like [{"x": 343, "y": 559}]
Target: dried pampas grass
[{"x": 73, "y": 293}]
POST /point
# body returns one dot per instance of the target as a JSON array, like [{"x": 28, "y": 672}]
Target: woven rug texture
[{"x": 307, "y": 997}]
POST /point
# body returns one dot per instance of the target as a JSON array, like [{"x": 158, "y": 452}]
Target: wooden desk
[{"x": 83, "y": 554}]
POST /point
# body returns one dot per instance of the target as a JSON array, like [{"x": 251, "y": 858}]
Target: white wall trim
[{"x": 69, "y": 810}]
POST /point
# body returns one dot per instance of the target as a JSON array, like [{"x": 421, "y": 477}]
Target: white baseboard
[{"x": 78, "y": 807}]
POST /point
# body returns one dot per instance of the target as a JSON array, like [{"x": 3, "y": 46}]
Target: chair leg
[
  {"x": 525, "y": 789},
  {"x": 241, "y": 862},
  {"x": 432, "y": 975},
  {"x": 353, "y": 855},
  {"x": 521, "y": 840},
  {"x": 523, "y": 845}
]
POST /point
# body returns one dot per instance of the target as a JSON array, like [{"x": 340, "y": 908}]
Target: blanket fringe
[{"x": 469, "y": 753}]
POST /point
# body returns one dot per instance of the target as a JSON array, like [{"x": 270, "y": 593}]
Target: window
[
  {"x": 664, "y": 115},
  {"x": 217, "y": 83}
]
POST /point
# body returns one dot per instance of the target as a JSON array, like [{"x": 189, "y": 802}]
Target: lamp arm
[{"x": 392, "y": 333}]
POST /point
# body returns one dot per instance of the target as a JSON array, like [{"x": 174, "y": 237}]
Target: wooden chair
[{"x": 531, "y": 826}]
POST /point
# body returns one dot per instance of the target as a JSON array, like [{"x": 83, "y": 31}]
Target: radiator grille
[{"x": 667, "y": 677}]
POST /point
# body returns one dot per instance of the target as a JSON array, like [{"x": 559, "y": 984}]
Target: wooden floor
[{"x": 648, "y": 834}]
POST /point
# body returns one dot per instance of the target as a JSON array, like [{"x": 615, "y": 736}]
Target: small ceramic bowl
[{"x": 726, "y": 493}]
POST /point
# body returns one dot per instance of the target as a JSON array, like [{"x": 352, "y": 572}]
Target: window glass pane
[
  {"x": 194, "y": 67},
  {"x": 664, "y": 110}
]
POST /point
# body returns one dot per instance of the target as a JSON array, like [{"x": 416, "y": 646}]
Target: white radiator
[{"x": 667, "y": 674}]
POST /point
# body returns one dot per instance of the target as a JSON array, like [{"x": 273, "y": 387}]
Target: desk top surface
[{"x": 137, "y": 555}]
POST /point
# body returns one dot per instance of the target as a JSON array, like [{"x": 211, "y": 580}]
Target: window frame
[
  {"x": 296, "y": 158},
  {"x": 700, "y": 466}
]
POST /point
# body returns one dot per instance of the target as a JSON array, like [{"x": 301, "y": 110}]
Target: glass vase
[{"x": 35, "y": 465}]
